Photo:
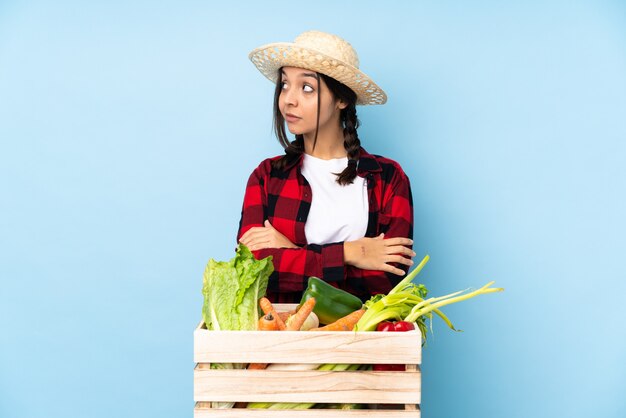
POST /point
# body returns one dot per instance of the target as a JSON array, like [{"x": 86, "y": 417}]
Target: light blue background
[{"x": 128, "y": 131}]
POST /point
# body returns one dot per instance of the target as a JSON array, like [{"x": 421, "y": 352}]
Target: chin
[{"x": 295, "y": 131}]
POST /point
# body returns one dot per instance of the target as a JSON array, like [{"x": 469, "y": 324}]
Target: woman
[{"x": 326, "y": 208}]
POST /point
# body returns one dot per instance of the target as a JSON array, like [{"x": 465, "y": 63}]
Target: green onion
[
  {"x": 433, "y": 304},
  {"x": 407, "y": 302}
]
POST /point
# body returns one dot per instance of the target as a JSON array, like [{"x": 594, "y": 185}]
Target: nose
[{"x": 289, "y": 97}]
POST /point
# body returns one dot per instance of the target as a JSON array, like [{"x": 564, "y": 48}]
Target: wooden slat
[
  {"x": 307, "y": 347},
  {"x": 305, "y": 413},
  {"x": 307, "y": 386}
]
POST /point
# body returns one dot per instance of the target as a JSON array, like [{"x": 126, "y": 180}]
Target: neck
[{"x": 329, "y": 144}]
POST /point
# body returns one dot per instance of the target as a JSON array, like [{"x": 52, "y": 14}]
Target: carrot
[
  {"x": 299, "y": 317},
  {"x": 346, "y": 323},
  {"x": 267, "y": 323},
  {"x": 267, "y": 308},
  {"x": 257, "y": 366}
]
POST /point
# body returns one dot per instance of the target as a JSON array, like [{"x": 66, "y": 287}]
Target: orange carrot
[
  {"x": 267, "y": 308},
  {"x": 346, "y": 323},
  {"x": 257, "y": 366},
  {"x": 267, "y": 323},
  {"x": 298, "y": 319}
]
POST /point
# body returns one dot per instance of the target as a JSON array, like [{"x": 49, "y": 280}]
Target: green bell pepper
[{"x": 331, "y": 303}]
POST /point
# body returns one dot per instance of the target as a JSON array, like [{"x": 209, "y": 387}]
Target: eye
[
  {"x": 307, "y": 88},
  {"x": 283, "y": 85}
]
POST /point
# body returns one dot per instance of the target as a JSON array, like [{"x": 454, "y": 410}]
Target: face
[{"x": 298, "y": 102}]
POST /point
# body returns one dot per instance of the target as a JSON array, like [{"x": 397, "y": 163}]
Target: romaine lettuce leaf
[{"x": 232, "y": 289}]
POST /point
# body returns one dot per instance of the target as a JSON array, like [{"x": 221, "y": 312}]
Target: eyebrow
[{"x": 312, "y": 75}]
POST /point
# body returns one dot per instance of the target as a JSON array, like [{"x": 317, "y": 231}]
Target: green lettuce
[{"x": 232, "y": 289}]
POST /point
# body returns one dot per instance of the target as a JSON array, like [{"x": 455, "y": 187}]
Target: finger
[
  {"x": 400, "y": 249},
  {"x": 252, "y": 230},
  {"x": 267, "y": 224},
  {"x": 393, "y": 270},
  {"x": 381, "y": 236},
  {"x": 256, "y": 232},
  {"x": 398, "y": 241},
  {"x": 399, "y": 259},
  {"x": 258, "y": 244},
  {"x": 255, "y": 247},
  {"x": 245, "y": 240},
  {"x": 245, "y": 236},
  {"x": 261, "y": 235}
]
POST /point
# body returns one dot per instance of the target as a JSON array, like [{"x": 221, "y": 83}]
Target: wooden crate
[{"x": 388, "y": 394}]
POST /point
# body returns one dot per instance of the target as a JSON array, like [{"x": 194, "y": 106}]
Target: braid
[
  {"x": 292, "y": 152},
  {"x": 351, "y": 143}
]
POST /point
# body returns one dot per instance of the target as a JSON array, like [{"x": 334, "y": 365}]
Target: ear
[{"x": 341, "y": 104}]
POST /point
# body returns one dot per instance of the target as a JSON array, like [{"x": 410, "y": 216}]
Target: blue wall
[{"x": 127, "y": 133}]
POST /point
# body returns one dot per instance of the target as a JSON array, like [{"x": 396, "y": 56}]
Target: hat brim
[{"x": 269, "y": 58}]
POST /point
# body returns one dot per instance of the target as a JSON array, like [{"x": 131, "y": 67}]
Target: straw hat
[{"x": 324, "y": 53}]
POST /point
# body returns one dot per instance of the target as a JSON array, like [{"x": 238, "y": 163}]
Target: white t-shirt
[{"x": 338, "y": 213}]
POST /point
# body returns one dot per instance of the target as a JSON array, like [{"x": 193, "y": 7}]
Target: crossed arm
[{"x": 365, "y": 253}]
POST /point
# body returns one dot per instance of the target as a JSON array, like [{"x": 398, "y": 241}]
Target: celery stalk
[{"x": 409, "y": 278}]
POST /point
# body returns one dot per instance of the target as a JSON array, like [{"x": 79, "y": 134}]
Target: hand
[
  {"x": 261, "y": 237},
  {"x": 377, "y": 253}
]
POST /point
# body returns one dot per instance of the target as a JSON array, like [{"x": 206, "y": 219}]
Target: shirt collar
[{"x": 367, "y": 163}]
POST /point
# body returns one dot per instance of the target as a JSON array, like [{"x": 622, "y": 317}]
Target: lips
[{"x": 291, "y": 118}]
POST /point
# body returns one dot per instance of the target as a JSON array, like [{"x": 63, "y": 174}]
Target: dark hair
[{"x": 347, "y": 118}]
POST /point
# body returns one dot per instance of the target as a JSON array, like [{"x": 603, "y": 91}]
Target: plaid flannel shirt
[{"x": 284, "y": 198}]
